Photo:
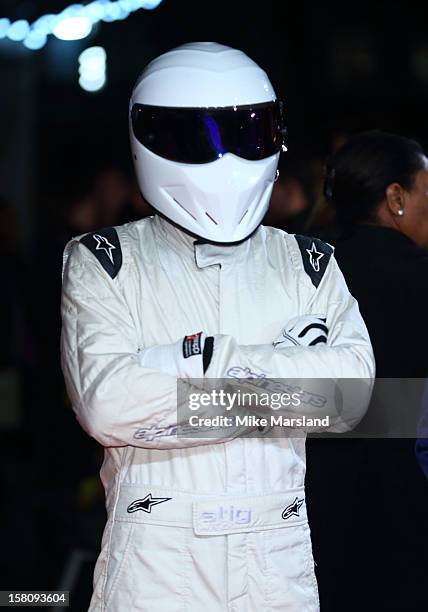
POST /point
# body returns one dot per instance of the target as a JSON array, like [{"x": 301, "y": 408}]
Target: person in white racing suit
[{"x": 201, "y": 289}]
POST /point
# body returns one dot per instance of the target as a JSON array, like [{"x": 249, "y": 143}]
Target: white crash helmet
[{"x": 206, "y": 132}]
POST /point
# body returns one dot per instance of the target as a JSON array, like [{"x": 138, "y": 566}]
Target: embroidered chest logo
[
  {"x": 292, "y": 509},
  {"x": 146, "y": 503},
  {"x": 104, "y": 245},
  {"x": 314, "y": 257}
]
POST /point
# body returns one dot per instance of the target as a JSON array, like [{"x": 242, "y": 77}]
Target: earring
[{"x": 400, "y": 212}]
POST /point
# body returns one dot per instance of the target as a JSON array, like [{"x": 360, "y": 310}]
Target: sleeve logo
[
  {"x": 104, "y": 245},
  {"x": 314, "y": 257}
]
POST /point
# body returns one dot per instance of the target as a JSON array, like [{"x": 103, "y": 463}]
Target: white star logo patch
[
  {"x": 104, "y": 245},
  {"x": 314, "y": 257}
]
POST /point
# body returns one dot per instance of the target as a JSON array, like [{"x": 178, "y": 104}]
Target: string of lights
[{"x": 73, "y": 23}]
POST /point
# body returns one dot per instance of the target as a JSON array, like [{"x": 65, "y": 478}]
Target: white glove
[
  {"x": 187, "y": 358},
  {"x": 306, "y": 330}
]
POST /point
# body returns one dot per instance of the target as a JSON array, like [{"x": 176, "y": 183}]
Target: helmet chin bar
[
  {"x": 222, "y": 202},
  {"x": 200, "y": 239}
]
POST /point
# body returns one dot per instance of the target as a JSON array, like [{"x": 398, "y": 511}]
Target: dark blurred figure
[
  {"x": 322, "y": 214},
  {"x": 110, "y": 189},
  {"x": 16, "y": 384},
  {"x": 371, "y": 544},
  {"x": 117, "y": 198},
  {"x": 137, "y": 207},
  {"x": 81, "y": 215},
  {"x": 295, "y": 193},
  {"x": 13, "y": 289}
]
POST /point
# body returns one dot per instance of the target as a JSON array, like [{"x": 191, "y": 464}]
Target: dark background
[{"x": 341, "y": 69}]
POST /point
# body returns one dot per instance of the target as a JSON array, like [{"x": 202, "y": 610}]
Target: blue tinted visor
[{"x": 202, "y": 135}]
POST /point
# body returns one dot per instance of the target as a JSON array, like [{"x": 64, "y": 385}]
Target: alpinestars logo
[
  {"x": 314, "y": 257},
  {"x": 104, "y": 245},
  {"x": 146, "y": 503},
  {"x": 292, "y": 509}
]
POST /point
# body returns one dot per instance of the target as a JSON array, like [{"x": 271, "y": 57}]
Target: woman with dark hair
[{"x": 377, "y": 184}]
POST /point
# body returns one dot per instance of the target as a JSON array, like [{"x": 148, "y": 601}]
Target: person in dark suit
[{"x": 371, "y": 539}]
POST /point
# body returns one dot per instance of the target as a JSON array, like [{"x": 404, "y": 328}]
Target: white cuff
[{"x": 183, "y": 359}]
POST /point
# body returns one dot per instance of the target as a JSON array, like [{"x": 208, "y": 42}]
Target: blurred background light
[
  {"x": 92, "y": 68},
  {"x": 92, "y": 84},
  {"x": 93, "y": 55},
  {"x": 73, "y": 23},
  {"x": 112, "y": 12},
  {"x": 18, "y": 30},
  {"x": 44, "y": 24},
  {"x": 4, "y": 27},
  {"x": 72, "y": 28},
  {"x": 35, "y": 40}
]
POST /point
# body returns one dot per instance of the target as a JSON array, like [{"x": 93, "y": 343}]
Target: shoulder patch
[
  {"x": 105, "y": 245},
  {"x": 315, "y": 255}
]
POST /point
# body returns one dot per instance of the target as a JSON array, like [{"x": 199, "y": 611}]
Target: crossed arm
[{"x": 116, "y": 389}]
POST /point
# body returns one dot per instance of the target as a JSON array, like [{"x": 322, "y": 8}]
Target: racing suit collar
[
  {"x": 207, "y": 254},
  {"x": 169, "y": 235},
  {"x": 204, "y": 253}
]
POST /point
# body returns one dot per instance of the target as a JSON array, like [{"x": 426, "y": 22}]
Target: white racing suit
[{"x": 199, "y": 524}]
